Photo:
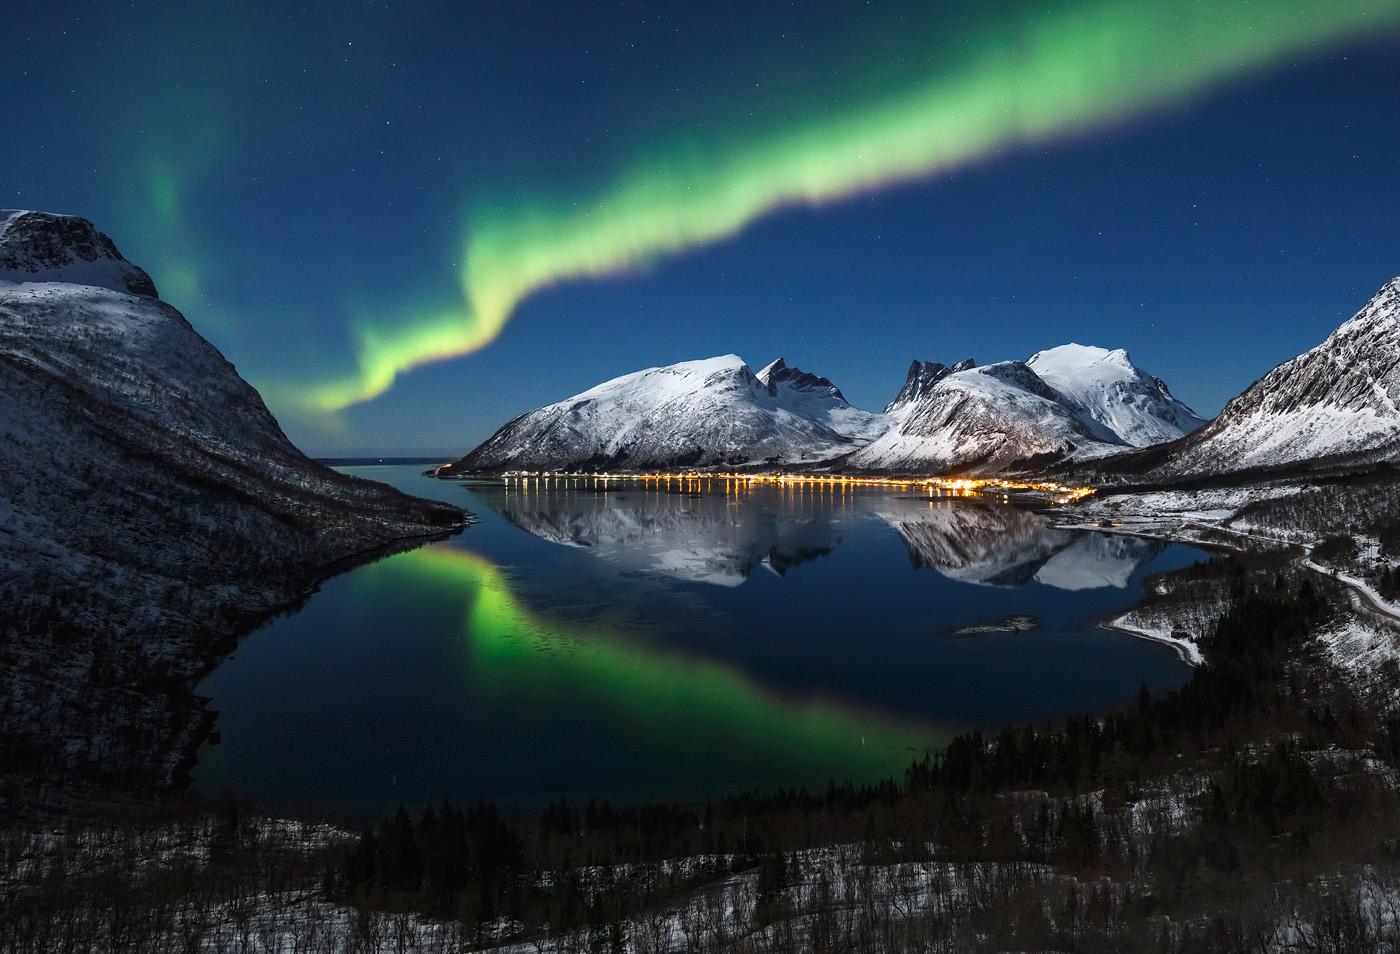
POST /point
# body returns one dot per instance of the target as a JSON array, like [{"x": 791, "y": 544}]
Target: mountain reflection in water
[
  {"x": 1001, "y": 545},
  {"x": 723, "y": 535},
  {"x": 594, "y": 656}
]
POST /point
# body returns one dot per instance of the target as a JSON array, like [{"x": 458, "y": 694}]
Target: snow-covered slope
[
  {"x": 1068, "y": 402},
  {"x": 1115, "y": 398},
  {"x": 712, "y": 413},
  {"x": 150, "y": 510},
  {"x": 1338, "y": 404},
  {"x": 978, "y": 421}
]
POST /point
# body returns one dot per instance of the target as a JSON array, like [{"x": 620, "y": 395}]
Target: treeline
[
  {"x": 1254, "y": 805},
  {"x": 138, "y": 884},
  {"x": 448, "y": 863},
  {"x": 1058, "y": 795},
  {"x": 1245, "y": 658}
]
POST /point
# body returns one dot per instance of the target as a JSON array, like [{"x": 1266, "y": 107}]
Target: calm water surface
[{"x": 674, "y": 641}]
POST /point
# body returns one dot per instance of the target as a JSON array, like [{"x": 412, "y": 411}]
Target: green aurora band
[
  {"x": 1066, "y": 67},
  {"x": 660, "y": 694}
]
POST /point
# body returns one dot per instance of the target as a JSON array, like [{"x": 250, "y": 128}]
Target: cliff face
[
  {"x": 43, "y": 247},
  {"x": 151, "y": 510}
]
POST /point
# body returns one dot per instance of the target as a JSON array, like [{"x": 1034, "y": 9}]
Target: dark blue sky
[{"x": 291, "y": 179}]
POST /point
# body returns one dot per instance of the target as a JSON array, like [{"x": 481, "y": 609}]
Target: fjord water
[{"x": 675, "y": 640}]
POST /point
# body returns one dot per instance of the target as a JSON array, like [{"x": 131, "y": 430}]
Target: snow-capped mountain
[
  {"x": 1119, "y": 401},
  {"x": 150, "y": 508},
  {"x": 1068, "y": 402},
  {"x": 1334, "y": 406},
  {"x": 978, "y": 421},
  {"x": 716, "y": 414},
  {"x": 712, "y": 413}
]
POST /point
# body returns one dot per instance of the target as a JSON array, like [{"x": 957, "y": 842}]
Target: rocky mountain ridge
[
  {"x": 44, "y": 247},
  {"x": 923, "y": 375},
  {"x": 1076, "y": 412}
]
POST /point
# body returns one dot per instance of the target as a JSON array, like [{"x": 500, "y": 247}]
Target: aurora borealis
[{"x": 405, "y": 226}]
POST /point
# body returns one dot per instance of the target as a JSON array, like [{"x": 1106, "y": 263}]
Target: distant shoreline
[{"x": 368, "y": 461}]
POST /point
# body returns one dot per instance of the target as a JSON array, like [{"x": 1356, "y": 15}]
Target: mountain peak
[
  {"x": 1114, "y": 397},
  {"x": 712, "y": 413},
  {"x": 1383, "y": 308},
  {"x": 1078, "y": 356},
  {"x": 46, "y": 247},
  {"x": 922, "y": 376},
  {"x": 766, "y": 375},
  {"x": 977, "y": 420},
  {"x": 795, "y": 379}
]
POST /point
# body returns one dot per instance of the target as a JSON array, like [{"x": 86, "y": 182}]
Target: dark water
[{"x": 675, "y": 641}]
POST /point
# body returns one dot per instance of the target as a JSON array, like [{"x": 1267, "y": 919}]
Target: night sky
[{"x": 351, "y": 199}]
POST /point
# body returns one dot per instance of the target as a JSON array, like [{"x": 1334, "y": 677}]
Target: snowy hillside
[
  {"x": 1336, "y": 405},
  {"x": 819, "y": 399},
  {"x": 150, "y": 509},
  {"x": 710, "y": 413},
  {"x": 978, "y": 421},
  {"x": 1068, "y": 402}
]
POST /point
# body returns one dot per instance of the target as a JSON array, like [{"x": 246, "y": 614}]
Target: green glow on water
[{"x": 678, "y": 700}]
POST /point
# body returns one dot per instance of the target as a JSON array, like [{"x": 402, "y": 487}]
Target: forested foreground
[{"x": 1254, "y": 809}]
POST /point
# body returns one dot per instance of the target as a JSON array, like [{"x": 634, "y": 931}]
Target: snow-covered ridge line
[{"x": 715, "y": 413}]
